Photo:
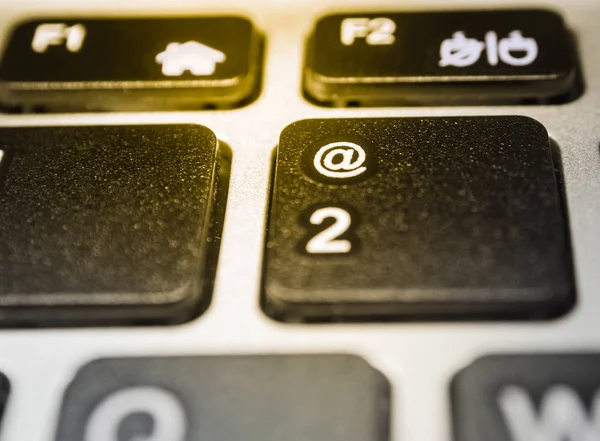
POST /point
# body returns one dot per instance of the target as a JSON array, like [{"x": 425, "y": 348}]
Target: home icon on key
[{"x": 198, "y": 58}]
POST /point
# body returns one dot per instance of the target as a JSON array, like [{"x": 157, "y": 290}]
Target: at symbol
[{"x": 340, "y": 160}]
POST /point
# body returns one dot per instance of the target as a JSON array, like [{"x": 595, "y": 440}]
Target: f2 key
[
  {"x": 417, "y": 218},
  {"x": 458, "y": 57}
]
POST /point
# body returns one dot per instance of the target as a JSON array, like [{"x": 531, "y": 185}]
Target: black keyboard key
[
  {"x": 417, "y": 218},
  {"x": 105, "y": 225},
  {"x": 528, "y": 397},
  {"x": 131, "y": 64},
  {"x": 229, "y": 398},
  {"x": 460, "y": 57},
  {"x": 4, "y": 390}
]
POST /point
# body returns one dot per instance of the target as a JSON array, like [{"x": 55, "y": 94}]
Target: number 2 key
[{"x": 417, "y": 218}]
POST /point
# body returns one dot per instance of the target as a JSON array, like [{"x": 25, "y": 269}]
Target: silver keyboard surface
[{"x": 418, "y": 358}]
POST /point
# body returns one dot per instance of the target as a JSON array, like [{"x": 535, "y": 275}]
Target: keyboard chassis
[{"x": 418, "y": 358}]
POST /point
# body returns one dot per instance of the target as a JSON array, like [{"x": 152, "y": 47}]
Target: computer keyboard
[{"x": 299, "y": 220}]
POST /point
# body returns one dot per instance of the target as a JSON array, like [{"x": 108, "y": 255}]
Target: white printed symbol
[
  {"x": 460, "y": 51},
  {"x": 515, "y": 50},
  {"x": 340, "y": 160},
  {"x": 561, "y": 415},
  {"x": 516, "y": 43},
  {"x": 56, "y": 34},
  {"x": 169, "y": 419},
  {"x": 327, "y": 242},
  {"x": 376, "y": 31},
  {"x": 199, "y": 59}
]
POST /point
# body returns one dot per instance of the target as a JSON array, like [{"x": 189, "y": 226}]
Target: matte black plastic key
[
  {"x": 229, "y": 398},
  {"x": 417, "y": 218},
  {"x": 131, "y": 64},
  {"x": 106, "y": 225},
  {"x": 458, "y": 57},
  {"x": 4, "y": 390},
  {"x": 526, "y": 397}
]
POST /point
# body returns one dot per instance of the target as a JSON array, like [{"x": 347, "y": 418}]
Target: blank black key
[
  {"x": 4, "y": 390},
  {"x": 528, "y": 397},
  {"x": 131, "y": 64},
  {"x": 230, "y": 398},
  {"x": 460, "y": 57},
  {"x": 417, "y": 218},
  {"x": 105, "y": 225}
]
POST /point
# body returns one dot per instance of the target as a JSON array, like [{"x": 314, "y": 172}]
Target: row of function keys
[
  {"x": 458, "y": 57},
  {"x": 321, "y": 398},
  {"x": 369, "y": 219}
]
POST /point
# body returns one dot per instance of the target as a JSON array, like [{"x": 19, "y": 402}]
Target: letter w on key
[{"x": 561, "y": 416}]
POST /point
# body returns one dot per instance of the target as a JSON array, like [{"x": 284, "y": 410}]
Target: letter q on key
[
  {"x": 340, "y": 160},
  {"x": 170, "y": 423}
]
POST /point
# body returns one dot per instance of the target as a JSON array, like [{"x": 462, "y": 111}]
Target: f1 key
[
  {"x": 460, "y": 57},
  {"x": 417, "y": 218},
  {"x": 131, "y": 64}
]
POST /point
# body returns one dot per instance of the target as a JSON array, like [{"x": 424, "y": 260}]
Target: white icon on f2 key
[
  {"x": 514, "y": 50},
  {"x": 57, "y": 34}
]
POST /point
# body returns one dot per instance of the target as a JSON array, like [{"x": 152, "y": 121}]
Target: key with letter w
[{"x": 561, "y": 415}]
